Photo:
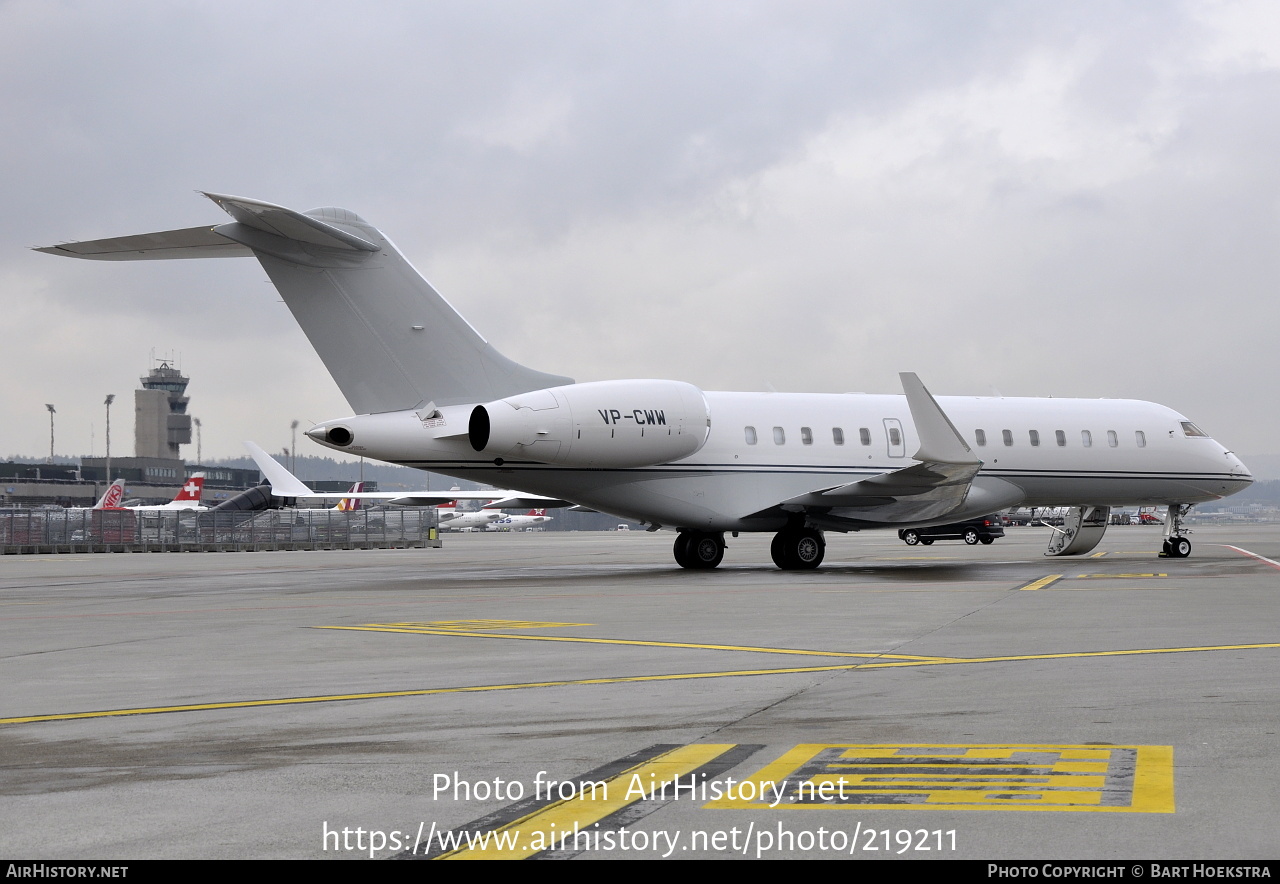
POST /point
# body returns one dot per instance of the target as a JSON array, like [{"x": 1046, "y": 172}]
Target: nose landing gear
[{"x": 1176, "y": 544}]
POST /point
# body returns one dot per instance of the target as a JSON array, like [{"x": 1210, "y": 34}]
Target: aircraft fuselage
[{"x": 1087, "y": 452}]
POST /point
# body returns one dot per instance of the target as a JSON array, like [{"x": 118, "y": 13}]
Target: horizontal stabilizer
[{"x": 191, "y": 242}]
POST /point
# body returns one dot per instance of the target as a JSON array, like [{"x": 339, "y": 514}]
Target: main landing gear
[
  {"x": 798, "y": 549},
  {"x": 699, "y": 550},
  {"x": 793, "y": 549},
  {"x": 1176, "y": 544}
]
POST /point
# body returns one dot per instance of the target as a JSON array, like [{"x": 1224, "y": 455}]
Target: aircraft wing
[
  {"x": 493, "y": 499},
  {"x": 286, "y": 484},
  {"x": 520, "y": 500},
  {"x": 943, "y": 481}
]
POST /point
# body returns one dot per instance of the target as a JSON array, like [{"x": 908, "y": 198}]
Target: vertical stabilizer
[{"x": 387, "y": 337}]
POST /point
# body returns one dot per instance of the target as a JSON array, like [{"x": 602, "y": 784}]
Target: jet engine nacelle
[{"x": 599, "y": 424}]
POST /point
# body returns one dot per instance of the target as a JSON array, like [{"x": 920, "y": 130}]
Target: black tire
[
  {"x": 987, "y": 541},
  {"x": 971, "y": 536},
  {"x": 778, "y": 552},
  {"x": 927, "y": 541},
  {"x": 801, "y": 550},
  {"x": 699, "y": 550},
  {"x": 681, "y": 550},
  {"x": 1180, "y": 547},
  {"x": 910, "y": 538}
]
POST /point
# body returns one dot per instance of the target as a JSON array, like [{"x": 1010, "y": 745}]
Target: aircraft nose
[{"x": 1238, "y": 470}]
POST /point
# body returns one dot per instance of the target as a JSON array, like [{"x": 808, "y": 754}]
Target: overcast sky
[{"x": 1044, "y": 199}]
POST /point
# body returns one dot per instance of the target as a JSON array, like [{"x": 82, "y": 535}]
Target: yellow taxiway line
[{"x": 622, "y": 679}]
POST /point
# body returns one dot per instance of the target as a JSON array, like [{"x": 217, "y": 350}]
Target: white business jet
[{"x": 429, "y": 392}]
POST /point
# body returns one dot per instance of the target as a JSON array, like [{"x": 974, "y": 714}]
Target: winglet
[
  {"x": 283, "y": 482},
  {"x": 940, "y": 441}
]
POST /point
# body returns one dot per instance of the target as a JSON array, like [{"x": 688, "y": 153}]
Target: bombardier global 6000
[{"x": 429, "y": 391}]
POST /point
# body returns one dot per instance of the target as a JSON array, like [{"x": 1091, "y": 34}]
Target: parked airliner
[
  {"x": 187, "y": 498},
  {"x": 110, "y": 499},
  {"x": 451, "y": 519},
  {"x": 519, "y": 522},
  {"x": 430, "y": 392}
]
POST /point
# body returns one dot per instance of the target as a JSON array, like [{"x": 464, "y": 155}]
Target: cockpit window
[{"x": 1190, "y": 429}]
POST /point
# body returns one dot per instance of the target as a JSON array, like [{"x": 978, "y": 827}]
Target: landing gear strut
[
  {"x": 798, "y": 549},
  {"x": 699, "y": 550},
  {"x": 1176, "y": 544}
]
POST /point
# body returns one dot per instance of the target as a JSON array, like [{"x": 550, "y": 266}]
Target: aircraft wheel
[
  {"x": 987, "y": 541},
  {"x": 699, "y": 550},
  {"x": 706, "y": 551},
  {"x": 910, "y": 538},
  {"x": 800, "y": 550},
  {"x": 681, "y": 550},
  {"x": 1180, "y": 547},
  {"x": 777, "y": 551},
  {"x": 971, "y": 536}
]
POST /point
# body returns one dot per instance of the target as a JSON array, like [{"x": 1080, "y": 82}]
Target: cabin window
[
  {"x": 779, "y": 436},
  {"x": 1141, "y": 438},
  {"x": 980, "y": 436},
  {"x": 1190, "y": 429},
  {"x": 1007, "y": 435},
  {"x": 806, "y": 436},
  {"x": 1034, "y": 436},
  {"x": 1086, "y": 438},
  {"x": 864, "y": 435},
  {"x": 1061, "y": 437},
  {"x": 895, "y": 436},
  {"x": 751, "y": 435},
  {"x": 837, "y": 435},
  {"x": 1112, "y": 439}
]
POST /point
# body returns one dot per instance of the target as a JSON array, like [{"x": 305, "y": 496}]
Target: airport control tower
[{"x": 161, "y": 422}]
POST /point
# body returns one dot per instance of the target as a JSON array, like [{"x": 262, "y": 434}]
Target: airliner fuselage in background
[{"x": 430, "y": 392}]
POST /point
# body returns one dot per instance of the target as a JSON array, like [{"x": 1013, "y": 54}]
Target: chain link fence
[{"x": 75, "y": 531}]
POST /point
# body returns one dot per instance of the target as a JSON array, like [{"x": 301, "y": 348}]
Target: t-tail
[
  {"x": 191, "y": 490},
  {"x": 388, "y": 338},
  {"x": 111, "y": 499},
  {"x": 350, "y": 504}
]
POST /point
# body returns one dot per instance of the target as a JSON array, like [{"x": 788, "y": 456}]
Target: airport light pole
[
  {"x": 293, "y": 447},
  {"x": 111, "y": 397},
  {"x": 52, "y": 412},
  {"x": 199, "y": 454}
]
